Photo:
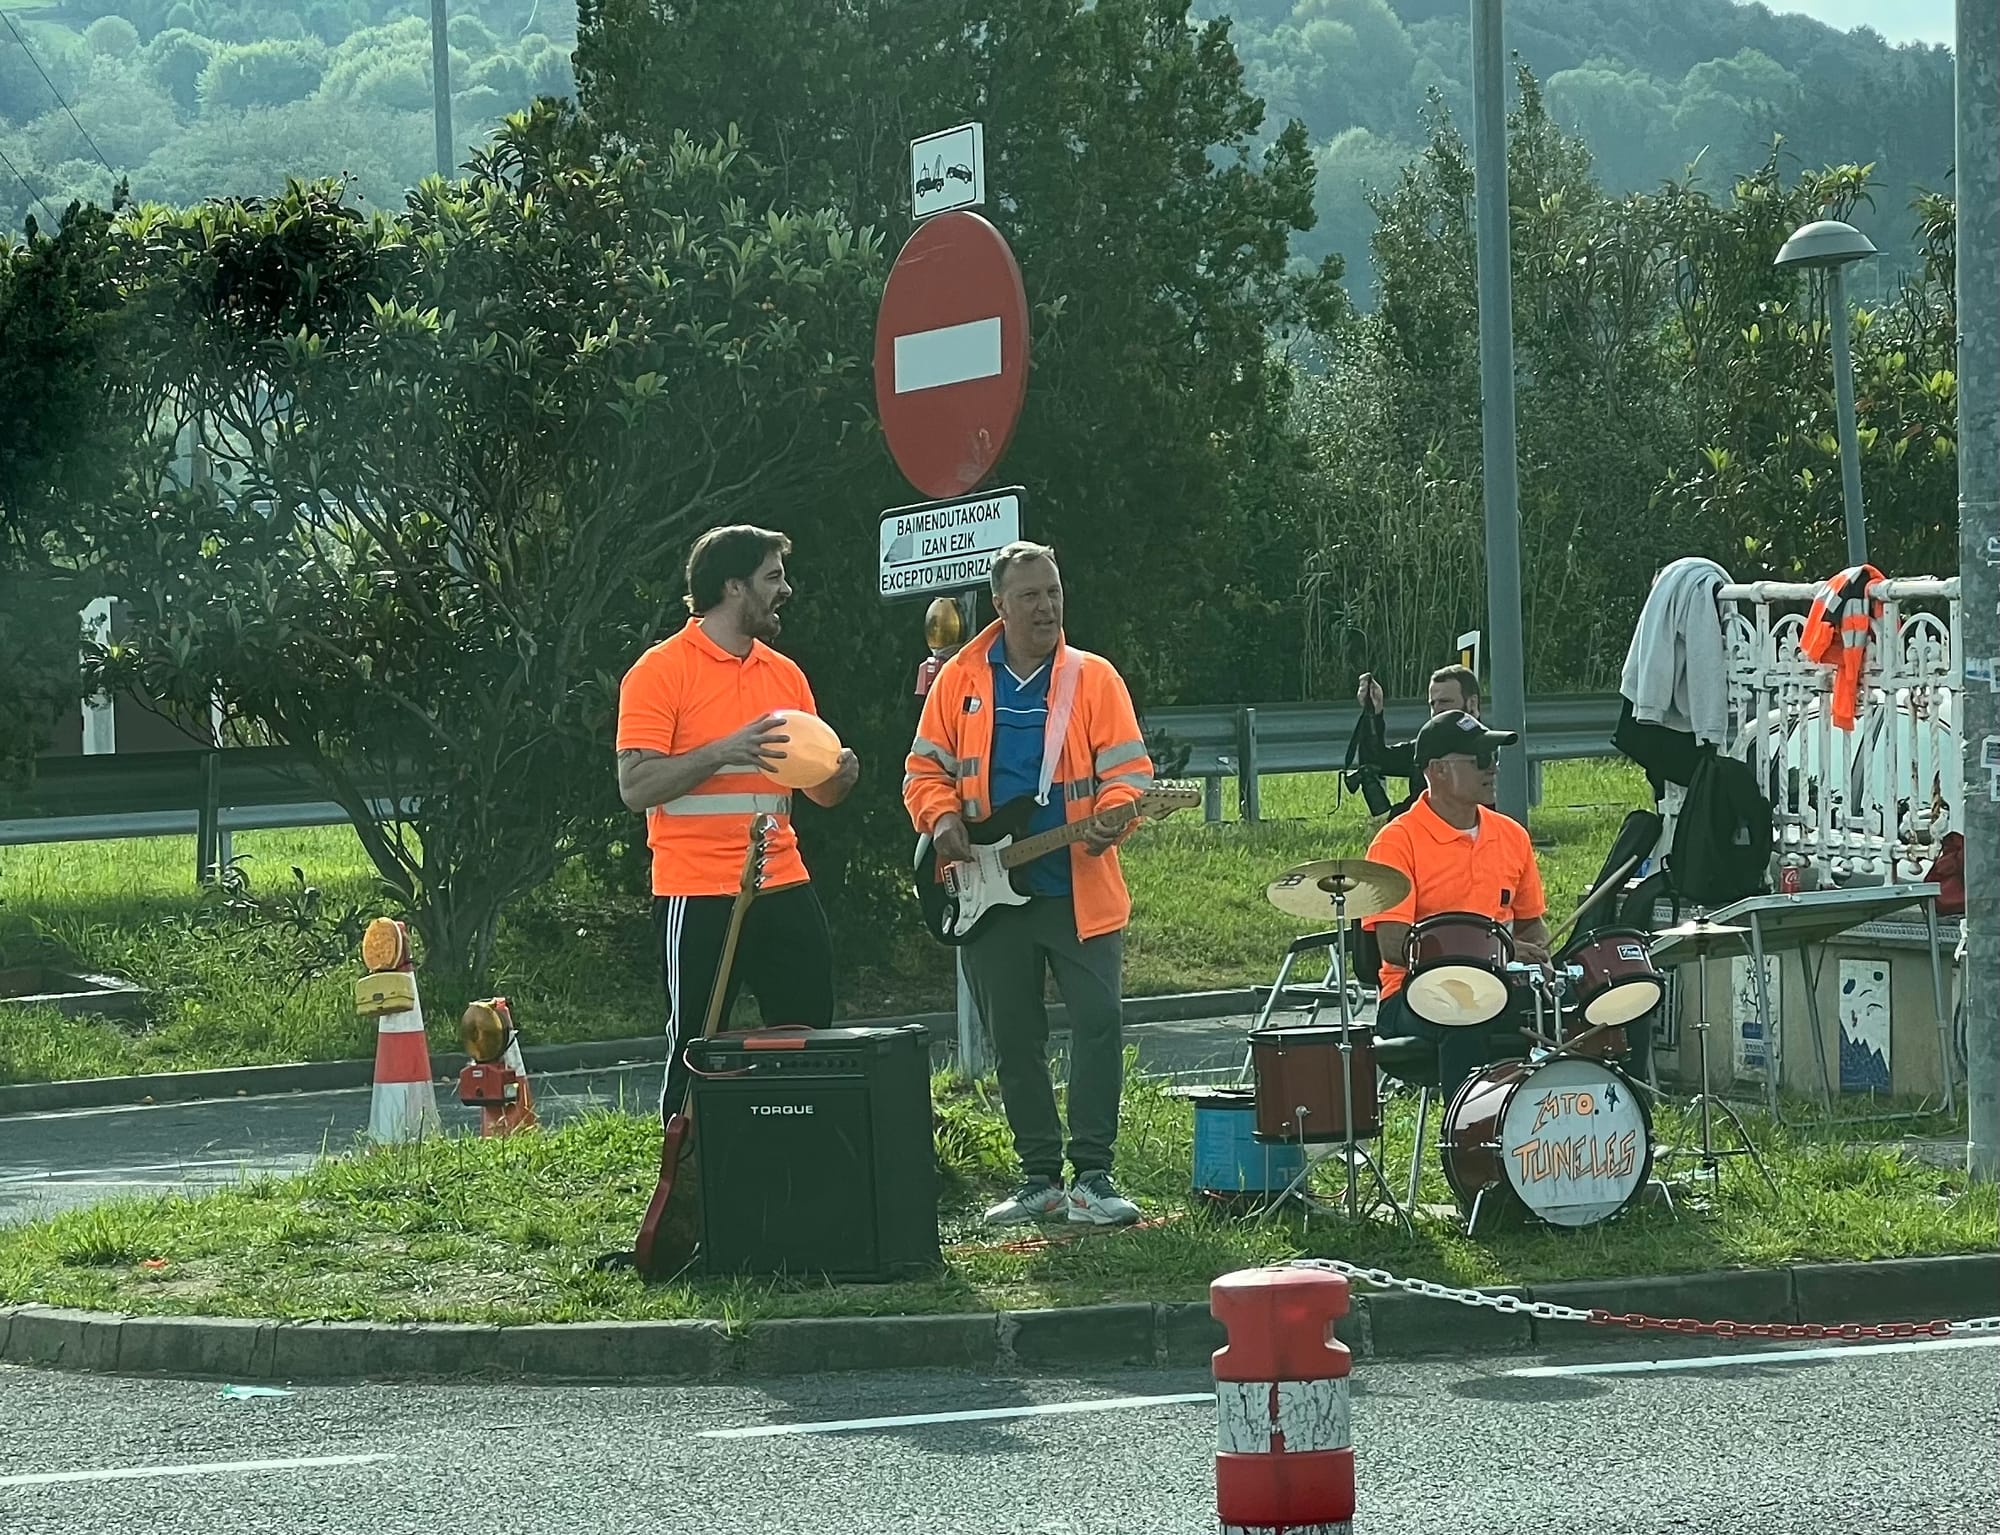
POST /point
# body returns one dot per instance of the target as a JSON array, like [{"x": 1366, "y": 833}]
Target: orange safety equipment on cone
[
  {"x": 496, "y": 1080},
  {"x": 403, "y": 1105}
]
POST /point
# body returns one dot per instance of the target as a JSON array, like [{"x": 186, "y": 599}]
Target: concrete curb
[
  {"x": 587, "y": 1055},
  {"x": 1182, "y": 1333}
]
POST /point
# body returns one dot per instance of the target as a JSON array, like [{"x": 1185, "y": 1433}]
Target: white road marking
[
  {"x": 207, "y": 1468},
  {"x": 1762, "y": 1356},
  {"x": 980, "y": 1415},
  {"x": 951, "y": 354},
  {"x": 67, "y": 1173}
]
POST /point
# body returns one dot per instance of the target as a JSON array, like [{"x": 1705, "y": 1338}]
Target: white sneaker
[
  {"x": 1094, "y": 1201},
  {"x": 1037, "y": 1199}
]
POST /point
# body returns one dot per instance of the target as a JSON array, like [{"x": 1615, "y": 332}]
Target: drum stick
[{"x": 1591, "y": 900}]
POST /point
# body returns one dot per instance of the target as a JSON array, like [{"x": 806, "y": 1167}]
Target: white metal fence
[{"x": 1861, "y": 806}]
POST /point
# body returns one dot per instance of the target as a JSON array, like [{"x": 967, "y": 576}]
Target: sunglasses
[{"x": 1483, "y": 759}]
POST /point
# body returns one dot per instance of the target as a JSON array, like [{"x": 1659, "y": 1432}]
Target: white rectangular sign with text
[{"x": 946, "y": 546}]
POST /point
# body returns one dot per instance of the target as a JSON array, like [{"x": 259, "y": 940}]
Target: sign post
[{"x": 951, "y": 372}]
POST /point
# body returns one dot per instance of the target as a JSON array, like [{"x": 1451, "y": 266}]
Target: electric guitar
[
  {"x": 668, "y": 1234},
  {"x": 957, "y": 897}
]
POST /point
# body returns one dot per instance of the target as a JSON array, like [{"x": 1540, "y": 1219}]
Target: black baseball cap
[{"x": 1454, "y": 733}]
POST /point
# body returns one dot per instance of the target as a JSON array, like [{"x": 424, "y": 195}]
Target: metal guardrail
[
  {"x": 167, "y": 794},
  {"x": 243, "y": 788},
  {"x": 1245, "y": 742}
]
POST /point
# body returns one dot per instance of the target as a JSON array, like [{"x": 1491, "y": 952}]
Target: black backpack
[{"x": 1722, "y": 841}]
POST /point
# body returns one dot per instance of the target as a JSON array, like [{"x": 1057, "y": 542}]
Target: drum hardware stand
[
  {"x": 1337, "y": 888},
  {"x": 1702, "y": 933},
  {"x": 1296, "y": 1189}
]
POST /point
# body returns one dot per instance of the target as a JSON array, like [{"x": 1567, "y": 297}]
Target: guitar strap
[{"x": 1062, "y": 699}]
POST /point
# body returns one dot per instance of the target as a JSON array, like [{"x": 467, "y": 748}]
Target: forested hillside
[
  {"x": 196, "y": 98},
  {"x": 1652, "y": 87},
  {"x": 200, "y": 98}
]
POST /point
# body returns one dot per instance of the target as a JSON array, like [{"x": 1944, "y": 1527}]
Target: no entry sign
[{"x": 951, "y": 353}]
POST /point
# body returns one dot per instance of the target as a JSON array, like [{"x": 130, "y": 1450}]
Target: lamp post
[{"x": 1831, "y": 244}]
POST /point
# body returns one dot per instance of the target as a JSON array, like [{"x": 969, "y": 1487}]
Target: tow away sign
[{"x": 946, "y": 546}]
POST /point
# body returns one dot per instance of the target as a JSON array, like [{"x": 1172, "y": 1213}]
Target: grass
[
  {"x": 507, "y": 1231},
  {"x": 262, "y": 973}
]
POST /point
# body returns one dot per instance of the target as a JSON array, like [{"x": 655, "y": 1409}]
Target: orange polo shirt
[
  {"x": 682, "y": 694},
  {"x": 1492, "y": 874}
]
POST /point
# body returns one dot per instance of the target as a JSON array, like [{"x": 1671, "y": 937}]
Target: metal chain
[
  {"x": 1636, "y": 1321},
  {"x": 1510, "y": 1305}
]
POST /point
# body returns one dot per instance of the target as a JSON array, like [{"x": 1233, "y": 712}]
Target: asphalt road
[
  {"x": 50, "y": 1162},
  {"x": 1894, "y": 1443}
]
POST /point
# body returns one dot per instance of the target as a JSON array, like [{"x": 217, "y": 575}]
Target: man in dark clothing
[{"x": 1452, "y": 688}]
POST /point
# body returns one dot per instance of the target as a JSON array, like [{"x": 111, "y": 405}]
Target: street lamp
[{"x": 1831, "y": 244}]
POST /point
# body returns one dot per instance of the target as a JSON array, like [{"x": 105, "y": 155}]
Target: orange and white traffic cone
[
  {"x": 497, "y": 1078},
  {"x": 404, "y": 1105}
]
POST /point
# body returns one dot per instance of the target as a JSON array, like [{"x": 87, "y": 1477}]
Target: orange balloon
[{"x": 812, "y": 752}]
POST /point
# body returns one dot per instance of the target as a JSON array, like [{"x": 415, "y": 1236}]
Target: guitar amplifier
[{"x": 816, "y": 1152}]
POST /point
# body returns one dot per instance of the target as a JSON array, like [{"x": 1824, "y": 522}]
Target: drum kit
[{"x": 1562, "y": 1132}]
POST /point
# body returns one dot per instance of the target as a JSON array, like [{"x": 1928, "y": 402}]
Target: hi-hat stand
[{"x": 1702, "y": 934}]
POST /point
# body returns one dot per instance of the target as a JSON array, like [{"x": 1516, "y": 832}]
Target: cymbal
[
  {"x": 1700, "y": 928},
  {"x": 1308, "y": 891}
]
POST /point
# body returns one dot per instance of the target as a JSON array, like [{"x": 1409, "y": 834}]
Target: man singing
[{"x": 696, "y": 723}]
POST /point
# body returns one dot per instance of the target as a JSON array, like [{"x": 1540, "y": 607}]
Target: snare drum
[
  {"x": 1458, "y": 969},
  {"x": 1568, "y": 1140},
  {"x": 1620, "y": 983},
  {"x": 1300, "y": 1096}
]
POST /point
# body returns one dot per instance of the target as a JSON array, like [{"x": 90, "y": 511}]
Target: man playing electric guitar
[{"x": 1016, "y": 712}]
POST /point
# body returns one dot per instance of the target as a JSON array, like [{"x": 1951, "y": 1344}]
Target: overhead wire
[
  {"x": 28, "y": 187},
  {"x": 8, "y": 17}
]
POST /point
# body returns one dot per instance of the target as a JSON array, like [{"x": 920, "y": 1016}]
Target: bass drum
[{"x": 1567, "y": 1139}]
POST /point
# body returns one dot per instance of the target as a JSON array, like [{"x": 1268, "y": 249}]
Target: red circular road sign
[{"x": 951, "y": 353}]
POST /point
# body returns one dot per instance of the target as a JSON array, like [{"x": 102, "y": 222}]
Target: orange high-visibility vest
[{"x": 1102, "y": 762}]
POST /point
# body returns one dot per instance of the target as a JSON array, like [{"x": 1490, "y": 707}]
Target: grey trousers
[{"x": 1005, "y": 966}]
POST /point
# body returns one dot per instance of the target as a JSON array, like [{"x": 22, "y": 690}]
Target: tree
[
  {"x": 458, "y": 456},
  {"x": 65, "y": 449},
  {"x": 261, "y": 75}
]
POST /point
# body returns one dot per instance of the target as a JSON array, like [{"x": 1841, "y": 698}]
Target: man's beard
[{"x": 766, "y": 625}]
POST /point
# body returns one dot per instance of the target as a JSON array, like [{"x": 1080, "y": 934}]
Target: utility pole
[
  {"x": 1978, "y": 181},
  {"x": 441, "y": 86},
  {"x": 1507, "y": 684}
]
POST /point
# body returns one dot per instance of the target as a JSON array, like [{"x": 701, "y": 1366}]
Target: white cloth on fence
[{"x": 1675, "y": 673}]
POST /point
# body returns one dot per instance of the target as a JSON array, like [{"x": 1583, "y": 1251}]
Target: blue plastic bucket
[{"x": 1227, "y": 1158}]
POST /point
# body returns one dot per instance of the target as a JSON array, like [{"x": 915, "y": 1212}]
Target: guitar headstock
[
  {"x": 1168, "y": 796},
  {"x": 754, "y": 857}
]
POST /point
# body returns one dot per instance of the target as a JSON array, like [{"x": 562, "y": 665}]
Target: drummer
[{"x": 1459, "y": 855}]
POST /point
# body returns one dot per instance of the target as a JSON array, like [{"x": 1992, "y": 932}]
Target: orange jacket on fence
[
  {"x": 1842, "y": 615},
  {"x": 1102, "y": 764}
]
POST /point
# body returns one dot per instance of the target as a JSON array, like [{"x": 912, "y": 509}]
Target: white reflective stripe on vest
[
  {"x": 1124, "y": 751},
  {"x": 921, "y": 747},
  {"x": 728, "y": 804},
  {"x": 1139, "y": 781},
  {"x": 1307, "y": 1414}
]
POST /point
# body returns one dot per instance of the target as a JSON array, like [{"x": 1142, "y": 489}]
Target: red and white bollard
[{"x": 1284, "y": 1459}]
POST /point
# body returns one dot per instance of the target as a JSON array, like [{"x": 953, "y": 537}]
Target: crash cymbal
[
  {"x": 1308, "y": 891},
  {"x": 1700, "y": 928}
]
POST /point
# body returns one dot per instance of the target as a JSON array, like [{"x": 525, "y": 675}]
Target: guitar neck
[
  {"x": 719, "y": 997},
  {"x": 1031, "y": 848}
]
